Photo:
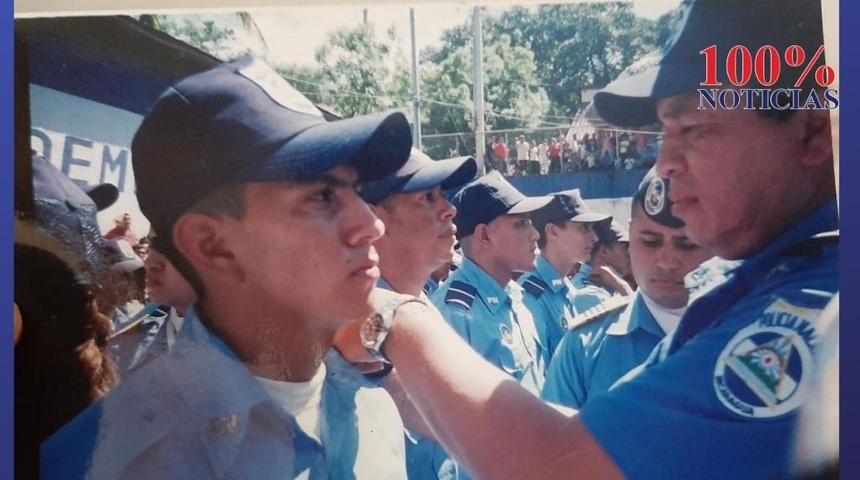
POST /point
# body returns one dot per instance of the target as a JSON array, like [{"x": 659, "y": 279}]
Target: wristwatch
[{"x": 375, "y": 329}]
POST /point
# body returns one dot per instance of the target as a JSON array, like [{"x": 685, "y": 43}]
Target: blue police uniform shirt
[
  {"x": 494, "y": 321},
  {"x": 197, "y": 412},
  {"x": 592, "y": 357},
  {"x": 721, "y": 393},
  {"x": 548, "y": 298},
  {"x": 425, "y": 459},
  {"x": 587, "y": 294}
]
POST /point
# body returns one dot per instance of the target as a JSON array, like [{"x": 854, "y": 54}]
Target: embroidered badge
[
  {"x": 279, "y": 89},
  {"x": 493, "y": 300},
  {"x": 655, "y": 196},
  {"x": 763, "y": 370},
  {"x": 507, "y": 337}
]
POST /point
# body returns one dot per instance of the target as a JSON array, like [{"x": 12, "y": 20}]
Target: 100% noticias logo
[{"x": 767, "y": 68}]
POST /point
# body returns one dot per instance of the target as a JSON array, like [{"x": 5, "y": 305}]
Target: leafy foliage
[{"x": 536, "y": 62}]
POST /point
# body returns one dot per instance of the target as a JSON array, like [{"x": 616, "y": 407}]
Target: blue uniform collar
[
  {"x": 222, "y": 414},
  {"x": 628, "y": 322},
  {"x": 548, "y": 274},
  {"x": 490, "y": 292},
  {"x": 579, "y": 280},
  {"x": 825, "y": 219}
]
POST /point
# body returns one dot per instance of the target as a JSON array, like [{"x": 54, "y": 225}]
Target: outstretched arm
[{"x": 490, "y": 424}]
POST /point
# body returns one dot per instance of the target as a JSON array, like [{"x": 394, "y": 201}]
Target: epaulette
[
  {"x": 611, "y": 304},
  {"x": 535, "y": 286},
  {"x": 461, "y": 293}
]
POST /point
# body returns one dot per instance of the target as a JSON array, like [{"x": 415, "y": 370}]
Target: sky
[{"x": 294, "y": 33}]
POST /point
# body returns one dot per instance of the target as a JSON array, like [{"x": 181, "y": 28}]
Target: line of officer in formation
[{"x": 539, "y": 241}]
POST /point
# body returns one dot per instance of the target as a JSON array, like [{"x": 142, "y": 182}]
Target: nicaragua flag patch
[{"x": 765, "y": 368}]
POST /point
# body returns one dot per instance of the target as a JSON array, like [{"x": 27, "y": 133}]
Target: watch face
[{"x": 370, "y": 330}]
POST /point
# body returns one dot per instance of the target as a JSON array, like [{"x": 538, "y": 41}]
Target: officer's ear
[
  {"x": 482, "y": 233},
  {"x": 818, "y": 145},
  {"x": 202, "y": 240},
  {"x": 551, "y": 230}
]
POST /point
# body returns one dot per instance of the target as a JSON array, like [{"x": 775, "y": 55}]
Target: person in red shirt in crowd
[
  {"x": 500, "y": 153},
  {"x": 123, "y": 230},
  {"x": 554, "y": 156}
]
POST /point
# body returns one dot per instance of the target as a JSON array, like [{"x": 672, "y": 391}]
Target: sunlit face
[
  {"x": 306, "y": 248},
  {"x": 617, "y": 256},
  {"x": 732, "y": 172},
  {"x": 660, "y": 257},
  {"x": 164, "y": 282},
  {"x": 514, "y": 241},
  {"x": 574, "y": 242},
  {"x": 420, "y": 224}
]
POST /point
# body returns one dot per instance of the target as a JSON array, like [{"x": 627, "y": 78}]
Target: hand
[{"x": 607, "y": 277}]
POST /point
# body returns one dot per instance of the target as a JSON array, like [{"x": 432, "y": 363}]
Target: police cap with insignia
[
  {"x": 487, "y": 198},
  {"x": 241, "y": 122},
  {"x": 630, "y": 101},
  {"x": 566, "y": 205},
  {"x": 421, "y": 172},
  {"x": 652, "y": 197}
]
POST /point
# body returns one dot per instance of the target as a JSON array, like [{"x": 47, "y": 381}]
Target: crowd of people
[
  {"x": 601, "y": 150},
  {"x": 318, "y": 299}
]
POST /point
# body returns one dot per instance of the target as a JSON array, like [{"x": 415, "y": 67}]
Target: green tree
[
  {"x": 360, "y": 74},
  {"x": 225, "y": 36},
  {"x": 513, "y": 96},
  {"x": 577, "y": 46}
]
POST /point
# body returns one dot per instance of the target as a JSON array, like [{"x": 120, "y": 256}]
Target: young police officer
[
  {"x": 595, "y": 355},
  {"x": 254, "y": 197},
  {"x": 567, "y": 236}
]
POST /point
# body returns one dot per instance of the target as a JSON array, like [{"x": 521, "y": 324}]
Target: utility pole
[
  {"x": 416, "y": 86},
  {"x": 478, "y": 94}
]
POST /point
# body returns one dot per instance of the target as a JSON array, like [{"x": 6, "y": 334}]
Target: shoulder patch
[
  {"x": 764, "y": 369},
  {"x": 461, "y": 293},
  {"x": 611, "y": 304},
  {"x": 534, "y": 286}
]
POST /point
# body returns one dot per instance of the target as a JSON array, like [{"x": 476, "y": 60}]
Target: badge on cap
[
  {"x": 279, "y": 89},
  {"x": 655, "y": 197}
]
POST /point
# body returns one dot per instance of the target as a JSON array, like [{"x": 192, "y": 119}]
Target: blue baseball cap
[
  {"x": 242, "y": 122},
  {"x": 65, "y": 211},
  {"x": 653, "y": 196},
  {"x": 630, "y": 101},
  {"x": 610, "y": 233},
  {"x": 421, "y": 172},
  {"x": 487, "y": 198},
  {"x": 566, "y": 206},
  {"x": 103, "y": 194}
]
